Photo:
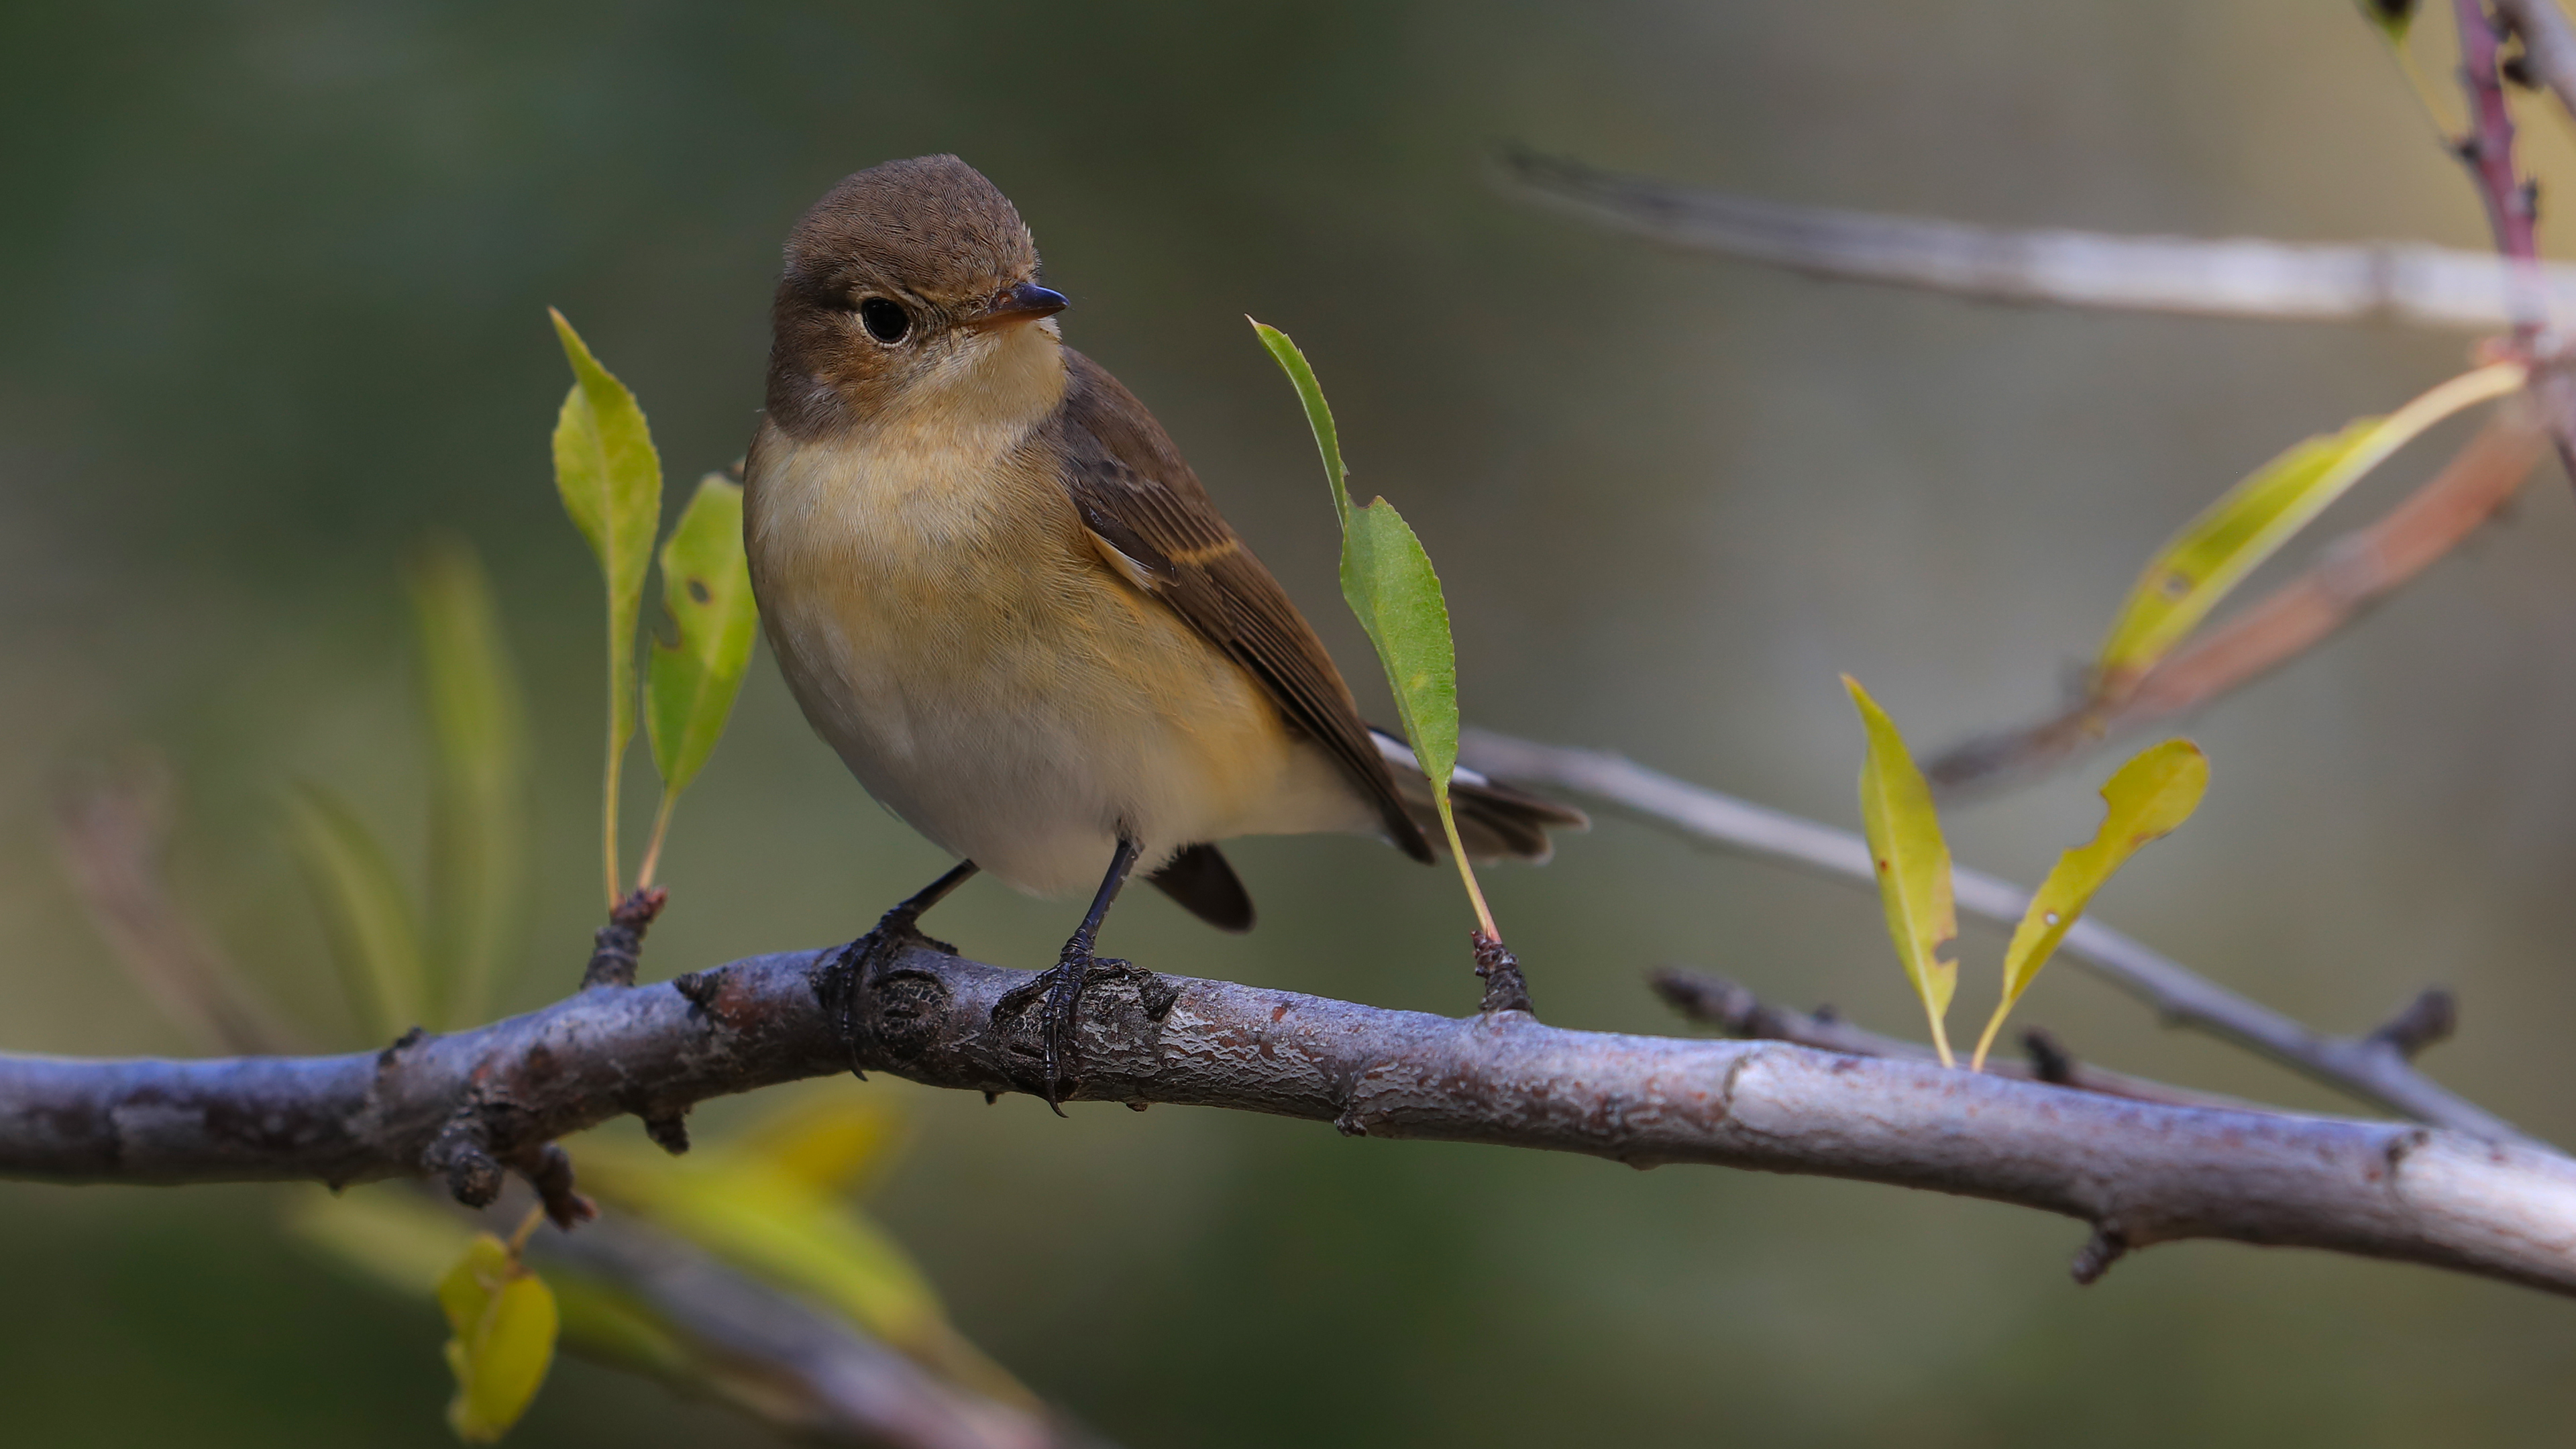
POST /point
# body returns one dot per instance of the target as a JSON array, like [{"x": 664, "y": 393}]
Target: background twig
[
  {"x": 2355, "y": 572},
  {"x": 2370, "y": 1070},
  {"x": 2407, "y": 282}
]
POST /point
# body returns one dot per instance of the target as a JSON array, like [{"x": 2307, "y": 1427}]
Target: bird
[{"x": 999, "y": 594}]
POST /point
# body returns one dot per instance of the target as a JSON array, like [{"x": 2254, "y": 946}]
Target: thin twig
[
  {"x": 112, "y": 833},
  {"x": 2407, "y": 282},
  {"x": 788, "y": 1364},
  {"x": 2548, "y": 45},
  {"x": 1733, "y": 1008},
  {"x": 2139, "y": 1172},
  {"x": 2511, "y": 203},
  {"x": 2355, "y": 572},
  {"x": 2371, "y": 1071}
]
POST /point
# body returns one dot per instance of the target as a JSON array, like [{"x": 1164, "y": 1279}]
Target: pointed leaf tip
[
  {"x": 2143, "y": 801},
  {"x": 1913, "y": 861}
]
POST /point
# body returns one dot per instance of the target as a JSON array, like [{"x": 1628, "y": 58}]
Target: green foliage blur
[{"x": 272, "y": 291}]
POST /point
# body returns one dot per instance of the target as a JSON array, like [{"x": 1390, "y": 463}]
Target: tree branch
[
  {"x": 1734, "y": 1009},
  {"x": 2371, "y": 1070},
  {"x": 2141, "y": 1173},
  {"x": 2548, "y": 45},
  {"x": 2406, "y": 282},
  {"x": 789, "y": 1364},
  {"x": 2354, "y": 573}
]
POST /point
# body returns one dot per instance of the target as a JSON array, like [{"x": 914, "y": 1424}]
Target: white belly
[{"x": 952, "y": 635}]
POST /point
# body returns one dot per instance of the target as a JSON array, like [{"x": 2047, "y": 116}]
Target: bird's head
[{"x": 913, "y": 284}]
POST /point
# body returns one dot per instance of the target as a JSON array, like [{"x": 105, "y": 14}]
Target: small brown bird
[{"x": 997, "y": 591}]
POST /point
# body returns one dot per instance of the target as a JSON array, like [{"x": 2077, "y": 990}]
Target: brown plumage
[{"x": 998, "y": 591}]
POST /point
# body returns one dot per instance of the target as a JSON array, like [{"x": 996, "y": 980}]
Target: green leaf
[
  {"x": 2251, "y": 521},
  {"x": 478, "y": 809},
  {"x": 1319, "y": 417},
  {"x": 706, "y": 588},
  {"x": 2144, "y": 801},
  {"x": 1390, "y": 584},
  {"x": 365, "y": 914},
  {"x": 1913, "y": 862},
  {"x": 611, "y": 483},
  {"x": 502, "y": 1323}
]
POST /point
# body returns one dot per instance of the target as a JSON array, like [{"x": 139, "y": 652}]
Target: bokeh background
[{"x": 272, "y": 280}]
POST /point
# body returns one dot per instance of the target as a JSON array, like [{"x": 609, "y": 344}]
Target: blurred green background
[{"x": 272, "y": 280}]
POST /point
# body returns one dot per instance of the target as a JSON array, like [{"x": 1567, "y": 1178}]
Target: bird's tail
[{"x": 1495, "y": 821}]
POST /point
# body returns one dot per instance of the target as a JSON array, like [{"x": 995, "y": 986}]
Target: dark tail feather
[
  {"x": 1207, "y": 887},
  {"x": 1495, "y": 821}
]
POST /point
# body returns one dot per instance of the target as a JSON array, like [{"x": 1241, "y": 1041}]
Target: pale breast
[{"x": 948, "y": 628}]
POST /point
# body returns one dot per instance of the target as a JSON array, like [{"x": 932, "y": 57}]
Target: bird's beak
[{"x": 1026, "y": 302}]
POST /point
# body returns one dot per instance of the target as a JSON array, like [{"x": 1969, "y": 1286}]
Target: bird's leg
[
  {"x": 1058, "y": 990},
  {"x": 841, "y": 984}
]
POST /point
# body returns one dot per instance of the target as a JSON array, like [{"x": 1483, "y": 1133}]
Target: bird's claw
[
  {"x": 842, "y": 984},
  {"x": 1057, "y": 993}
]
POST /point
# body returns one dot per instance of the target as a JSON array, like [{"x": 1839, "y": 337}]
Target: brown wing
[{"x": 1138, "y": 497}]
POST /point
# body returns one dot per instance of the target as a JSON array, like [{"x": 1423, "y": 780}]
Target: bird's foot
[
  {"x": 845, "y": 982},
  {"x": 1057, "y": 993}
]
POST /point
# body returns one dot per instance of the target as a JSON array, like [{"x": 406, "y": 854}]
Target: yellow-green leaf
[
  {"x": 610, "y": 479},
  {"x": 770, "y": 1219},
  {"x": 2251, "y": 521},
  {"x": 478, "y": 809},
  {"x": 832, "y": 1141},
  {"x": 1913, "y": 862},
  {"x": 706, "y": 589},
  {"x": 502, "y": 1324},
  {"x": 365, "y": 914},
  {"x": 389, "y": 1232},
  {"x": 2145, "y": 800},
  {"x": 402, "y": 1241}
]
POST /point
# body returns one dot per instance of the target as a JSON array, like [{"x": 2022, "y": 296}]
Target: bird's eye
[{"x": 886, "y": 321}]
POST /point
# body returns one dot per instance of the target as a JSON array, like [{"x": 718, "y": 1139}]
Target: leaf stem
[
  {"x": 1941, "y": 1035},
  {"x": 653, "y": 848},
  {"x": 1994, "y": 1024},
  {"x": 1466, "y": 872},
  {"x": 608, "y": 797}
]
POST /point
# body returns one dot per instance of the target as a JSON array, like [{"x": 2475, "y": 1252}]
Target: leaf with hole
[
  {"x": 697, "y": 674},
  {"x": 1913, "y": 862},
  {"x": 2145, "y": 800},
  {"x": 2249, "y": 523}
]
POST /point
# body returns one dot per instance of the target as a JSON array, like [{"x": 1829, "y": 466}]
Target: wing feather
[{"x": 1155, "y": 524}]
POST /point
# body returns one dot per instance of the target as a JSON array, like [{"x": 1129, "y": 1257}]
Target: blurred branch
[
  {"x": 2548, "y": 45},
  {"x": 777, "y": 1359},
  {"x": 1734, "y": 1009},
  {"x": 2139, "y": 1172},
  {"x": 793, "y": 1366},
  {"x": 2409, "y": 282},
  {"x": 2512, "y": 205},
  {"x": 112, "y": 834},
  {"x": 2356, "y": 571},
  {"x": 2366, "y": 1068}
]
